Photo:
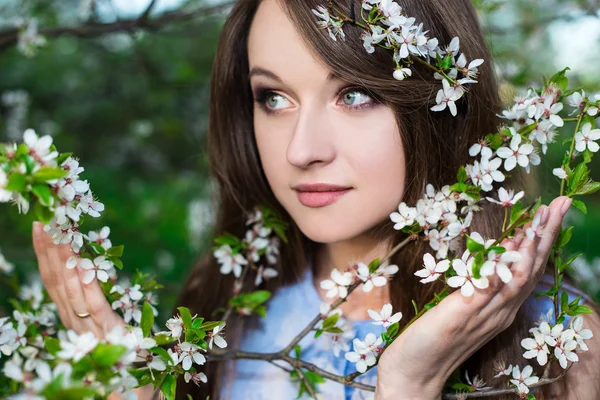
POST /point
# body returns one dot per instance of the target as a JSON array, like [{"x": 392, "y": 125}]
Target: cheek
[{"x": 380, "y": 171}]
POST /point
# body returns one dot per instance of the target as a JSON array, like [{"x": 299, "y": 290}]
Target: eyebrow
[{"x": 258, "y": 71}]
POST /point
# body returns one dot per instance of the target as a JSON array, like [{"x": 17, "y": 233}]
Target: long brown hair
[{"x": 436, "y": 145}]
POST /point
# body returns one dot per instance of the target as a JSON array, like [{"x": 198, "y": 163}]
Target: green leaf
[
  {"x": 62, "y": 157},
  {"x": 474, "y": 246},
  {"x": 147, "y": 319},
  {"x": 117, "y": 261},
  {"x": 209, "y": 326},
  {"x": 581, "y": 310},
  {"x": 197, "y": 322},
  {"x": 47, "y": 173},
  {"x": 580, "y": 205},
  {"x": 52, "y": 345},
  {"x": 16, "y": 182},
  {"x": 588, "y": 188},
  {"x": 561, "y": 80},
  {"x": 169, "y": 387},
  {"x": 530, "y": 396},
  {"x": 564, "y": 236},
  {"x": 116, "y": 251},
  {"x": 43, "y": 193},
  {"x": 331, "y": 321},
  {"x": 163, "y": 353},
  {"x": 297, "y": 350},
  {"x": 186, "y": 316},
  {"x": 477, "y": 264},
  {"x": 580, "y": 176},
  {"x": 107, "y": 355},
  {"x": 461, "y": 176},
  {"x": 373, "y": 265},
  {"x": 318, "y": 333},
  {"x": 564, "y": 302}
]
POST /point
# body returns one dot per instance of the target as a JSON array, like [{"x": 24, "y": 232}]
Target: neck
[{"x": 343, "y": 254}]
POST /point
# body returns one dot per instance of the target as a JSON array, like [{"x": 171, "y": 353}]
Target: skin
[
  {"x": 316, "y": 137},
  {"x": 308, "y": 132}
]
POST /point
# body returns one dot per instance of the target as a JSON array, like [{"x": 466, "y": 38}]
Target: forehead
[{"x": 275, "y": 44}]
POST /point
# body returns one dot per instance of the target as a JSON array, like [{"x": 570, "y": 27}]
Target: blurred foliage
[{"x": 132, "y": 104}]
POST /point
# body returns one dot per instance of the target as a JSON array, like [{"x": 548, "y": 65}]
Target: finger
[
  {"x": 41, "y": 241},
  {"x": 74, "y": 292},
  {"x": 100, "y": 310},
  {"x": 558, "y": 209},
  {"x": 59, "y": 266}
]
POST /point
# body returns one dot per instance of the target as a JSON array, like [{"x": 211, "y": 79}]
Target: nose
[{"x": 312, "y": 142}]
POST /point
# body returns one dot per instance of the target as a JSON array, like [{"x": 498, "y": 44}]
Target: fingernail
[
  {"x": 545, "y": 215},
  {"x": 566, "y": 206}
]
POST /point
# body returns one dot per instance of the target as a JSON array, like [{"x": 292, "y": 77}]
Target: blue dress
[{"x": 289, "y": 311}]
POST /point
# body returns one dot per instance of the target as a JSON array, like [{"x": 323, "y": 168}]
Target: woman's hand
[
  {"x": 67, "y": 290},
  {"x": 418, "y": 363}
]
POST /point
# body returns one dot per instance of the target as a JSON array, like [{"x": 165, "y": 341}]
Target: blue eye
[
  {"x": 274, "y": 99},
  {"x": 355, "y": 97}
]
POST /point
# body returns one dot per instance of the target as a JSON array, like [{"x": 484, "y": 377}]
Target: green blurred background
[{"x": 127, "y": 92}]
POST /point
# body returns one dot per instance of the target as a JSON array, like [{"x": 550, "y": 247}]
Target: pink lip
[{"x": 319, "y": 194}]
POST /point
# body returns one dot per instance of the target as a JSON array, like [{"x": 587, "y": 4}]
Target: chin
[{"x": 328, "y": 226}]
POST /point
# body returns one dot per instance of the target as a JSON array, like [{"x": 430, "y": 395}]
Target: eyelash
[{"x": 263, "y": 94}]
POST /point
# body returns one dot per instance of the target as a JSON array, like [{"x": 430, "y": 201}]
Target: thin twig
[{"x": 9, "y": 37}]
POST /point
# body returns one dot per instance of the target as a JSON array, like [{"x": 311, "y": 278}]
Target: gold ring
[{"x": 83, "y": 315}]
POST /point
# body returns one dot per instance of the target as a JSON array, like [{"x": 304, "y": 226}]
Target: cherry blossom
[
  {"x": 39, "y": 148},
  {"x": 100, "y": 237},
  {"x": 506, "y": 198},
  {"x": 516, "y": 153},
  {"x": 95, "y": 269},
  {"x": 560, "y": 173},
  {"x": 217, "y": 338},
  {"x": 74, "y": 346},
  {"x": 432, "y": 270},
  {"x": 446, "y": 97},
  {"x": 190, "y": 353},
  {"x": 498, "y": 264},
  {"x": 229, "y": 261},
  {"x": 195, "y": 377},
  {"x": 580, "y": 334},
  {"x": 523, "y": 379},
  {"x": 364, "y": 354},
  {"x": 338, "y": 284},
  {"x": 586, "y": 139},
  {"x": 404, "y": 217},
  {"x": 536, "y": 348},
  {"x": 334, "y": 28},
  {"x": 385, "y": 317},
  {"x": 465, "y": 279}
]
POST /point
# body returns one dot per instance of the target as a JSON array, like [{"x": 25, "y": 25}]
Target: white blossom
[
  {"x": 516, "y": 153},
  {"x": 432, "y": 270},
  {"x": 95, "y": 269},
  {"x": 536, "y": 348},
  {"x": 229, "y": 261},
  {"x": 498, "y": 264},
  {"x": 364, "y": 354},
  {"x": 74, "y": 346},
  {"x": 404, "y": 217},
  {"x": 465, "y": 279},
  {"x": 506, "y": 198},
  {"x": 39, "y": 148},
  {"x": 560, "y": 173},
  {"x": 580, "y": 334},
  {"x": 446, "y": 97},
  {"x": 190, "y": 353},
  {"x": 338, "y": 284},
  {"x": 385, "y": 317},
  {"x": 523, "y": 379},
  {"x": 586, "y": 139},
  {"x": 334, "y": 27},
  {"x": 217, "y": 338}
]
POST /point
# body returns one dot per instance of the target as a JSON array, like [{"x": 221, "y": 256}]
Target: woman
[{"x": 292, "y": 109}]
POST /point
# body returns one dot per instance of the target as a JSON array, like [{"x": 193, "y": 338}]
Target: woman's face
[{"x": 313, "y": 129}]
